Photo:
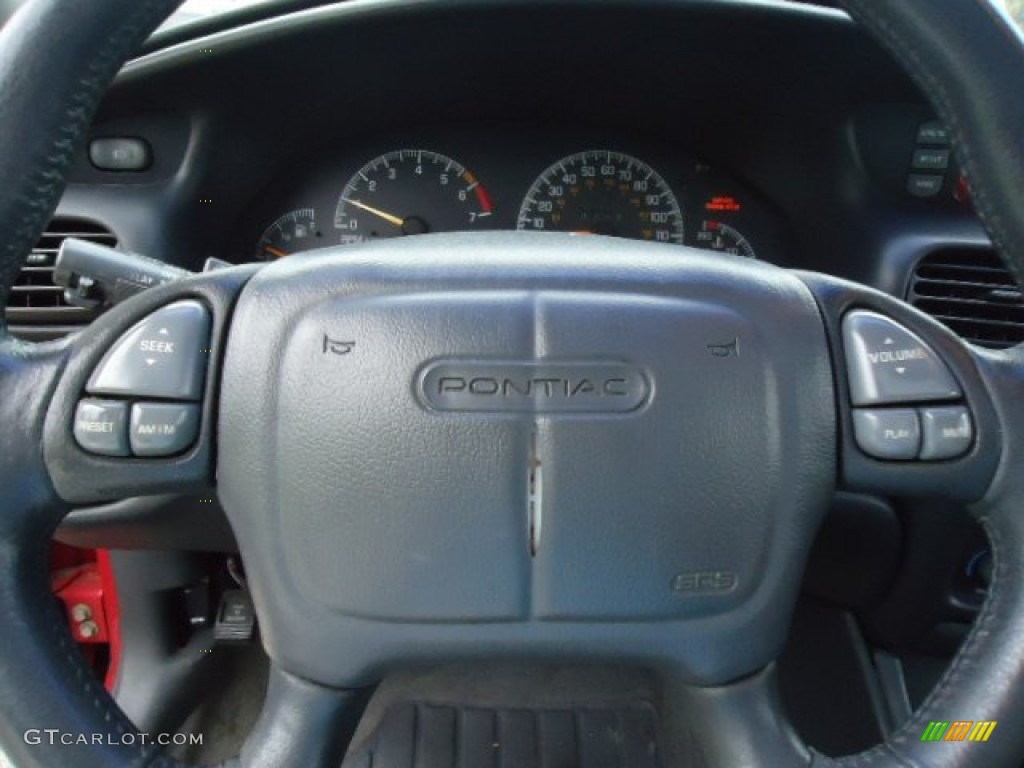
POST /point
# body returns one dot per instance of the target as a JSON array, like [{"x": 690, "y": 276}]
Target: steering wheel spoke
[
  {"x": 915, "y": 412},
  {"x": 134, "y": 412}
]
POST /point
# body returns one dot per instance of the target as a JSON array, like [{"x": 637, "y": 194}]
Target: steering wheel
[{"x": 511, "y": 446}]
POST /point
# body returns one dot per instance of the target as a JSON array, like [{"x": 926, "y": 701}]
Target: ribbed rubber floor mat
[{"x": 417, "y": 735}]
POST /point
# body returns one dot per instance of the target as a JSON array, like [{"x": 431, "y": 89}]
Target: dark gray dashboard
[{"x": 792, "y": 109}]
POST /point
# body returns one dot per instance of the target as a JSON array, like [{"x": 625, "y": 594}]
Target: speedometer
[{"x": 601, "y": 192}]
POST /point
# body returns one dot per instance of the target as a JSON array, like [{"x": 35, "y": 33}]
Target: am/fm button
[{"x": 163, "y": 429}]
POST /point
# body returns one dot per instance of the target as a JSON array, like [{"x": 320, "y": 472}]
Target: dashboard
[
  {"x": 758, "y": 128},
  {"x": 472, "y": 179}
]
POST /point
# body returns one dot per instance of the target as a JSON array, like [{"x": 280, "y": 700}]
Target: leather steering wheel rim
[{"x": 44, "y": 684}]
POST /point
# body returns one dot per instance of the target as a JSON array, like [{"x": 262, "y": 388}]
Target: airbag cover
[{"x": 521, "y": 444}]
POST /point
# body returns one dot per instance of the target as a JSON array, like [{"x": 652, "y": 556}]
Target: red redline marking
[{"x": 484, "y": 198}]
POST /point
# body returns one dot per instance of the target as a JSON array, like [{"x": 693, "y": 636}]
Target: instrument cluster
[{"x": 480, "y": 183}]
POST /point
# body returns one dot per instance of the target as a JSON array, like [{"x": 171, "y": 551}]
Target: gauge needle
[
  {"x": 388, "y": 217},
  {"x": 275, "y": 252}
]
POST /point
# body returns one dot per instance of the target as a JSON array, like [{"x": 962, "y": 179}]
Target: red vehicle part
[{"x": 83, "y": 581}]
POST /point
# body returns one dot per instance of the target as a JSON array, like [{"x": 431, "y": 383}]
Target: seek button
[{"x": 163, "y": 356}]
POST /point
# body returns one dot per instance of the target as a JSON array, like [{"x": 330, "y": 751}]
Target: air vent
[
  {"x": 36, "y": 308},
  {"x": 972, "y": 292}
]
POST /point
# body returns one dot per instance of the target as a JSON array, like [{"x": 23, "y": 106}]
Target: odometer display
[{"x": 600, "y": 192}]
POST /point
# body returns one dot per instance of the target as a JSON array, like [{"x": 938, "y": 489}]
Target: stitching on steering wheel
[
  {"x": 43, "y": 188},
  {"x": 908, "y": 56},
  {"x": 33, "y": 208}
]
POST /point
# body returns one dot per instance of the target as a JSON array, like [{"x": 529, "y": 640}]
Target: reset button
[{"x": 101, "y": 426}]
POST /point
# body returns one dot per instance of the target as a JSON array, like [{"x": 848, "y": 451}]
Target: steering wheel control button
[
  {"x": 163, "y": 429},
  {"x": 164, "y": 356},
  {"x": 120, "y": 155},
  {"x": 101, "y": 426},
  {"x": 889, "y": 364},
  {"x": 948, "y": 433},
  {"x": 891, "y": 434}
]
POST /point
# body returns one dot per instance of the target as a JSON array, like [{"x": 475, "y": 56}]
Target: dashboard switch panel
[
  {"x": 163, "y": 429},
  {"x": 947, "y": 433},
  {"x": 101, "y": 427},
  {"x": 934, "y": 133},
  {"x": 931, "y": 159},
  {"x": 893, "y": 434},
  {"x": 888, "y": 364},
  {"x": 163, "y": 356},
  {"x": 924, "y": 184}
]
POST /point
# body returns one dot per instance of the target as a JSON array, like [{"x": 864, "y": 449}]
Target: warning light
[
  {"x": 723, "y": 203},
  {"x": 962, "y": 193}
]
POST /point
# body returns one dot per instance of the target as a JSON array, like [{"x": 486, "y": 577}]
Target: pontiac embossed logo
[{"x": 533, "y": 387}]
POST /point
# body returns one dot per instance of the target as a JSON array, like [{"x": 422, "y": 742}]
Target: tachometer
[
  {"x": 410, "y": 192},
  {"x": 603, "y": 193}
]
